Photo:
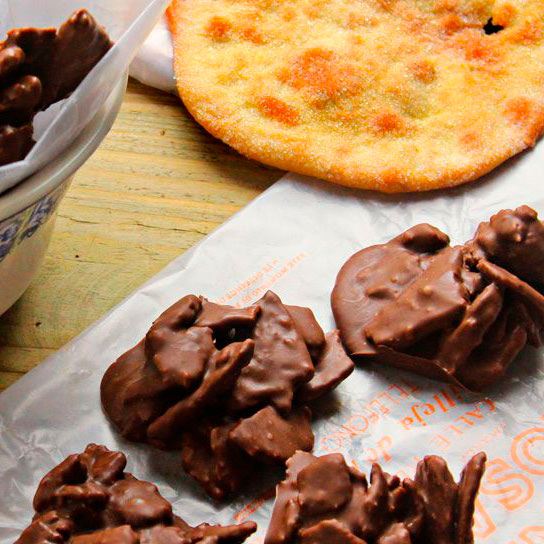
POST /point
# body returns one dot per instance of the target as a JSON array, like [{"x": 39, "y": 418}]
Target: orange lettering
[
  {"x": 466, "y": 420},
  {"x": 427, "y": 409},
  {"x": 537, "y": 531},
  {"x": 388, "y": 397},
  {"x": 513, "y": 488},
  {"x": 356, "y": 424},
  {"x": 254, "y": 505},
  {"x": 402, "y": 392},
  {"x": 413, "y": 388},
  {"x": 448, "y": 399},
  {"x": 372, "y": 455},
  {"x": 383, "y": 445},
  {"x": 372, "y": 415},
  {"x": 455, "y": 429},
  {"x": 441, "y": 442},
  {"x": 476, "y": 414},
  {"x": 483, "y": 524},
  {"x": 528, "y": 450},
  {"x": 526, "y": 533},
  {"x": 383, "y": 408}
]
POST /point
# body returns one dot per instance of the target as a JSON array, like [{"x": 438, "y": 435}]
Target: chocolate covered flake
[
  {"x": 39, "y": 67},
  {"x": 89, "y": 499},
  {"x": 458, "y": 314},
  {"x": 227, "y": 386},
  {"x": 323, "y": 501}
]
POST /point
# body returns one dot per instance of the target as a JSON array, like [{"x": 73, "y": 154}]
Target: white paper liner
[
  {"x": 127, "y": 23},
  {"x": 293, "y": 239},
  {"x": 153, "y": 63}
]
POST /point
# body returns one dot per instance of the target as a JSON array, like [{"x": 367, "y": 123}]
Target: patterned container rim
[
  {"x": 18, "y": 228},
  {"x": 45, "y": 182}
]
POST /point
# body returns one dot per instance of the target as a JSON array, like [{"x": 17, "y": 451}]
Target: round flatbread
[{"x": 392, "y": 95}]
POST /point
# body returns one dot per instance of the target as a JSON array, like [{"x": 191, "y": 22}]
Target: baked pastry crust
[{"x": 390, "y": 95}]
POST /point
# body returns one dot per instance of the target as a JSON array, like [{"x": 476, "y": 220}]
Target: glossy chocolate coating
[
  {"x": 15, "y": 142},
  {"x": 458, "y": 314},
  {"x": 514, "y": 240},
  {"x": 269, "y": 436},
  {"x": 227, "y": 386},
  {"x": 89, "y": 499},
  {"x": 280, "y": 363},
  {"x": 323, "y": 501},
  {"x": 39, "y": 67}
]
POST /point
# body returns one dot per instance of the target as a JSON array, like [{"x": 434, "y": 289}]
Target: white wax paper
[
  {"x": 127, "y": 23},
  {"x": 293, "y": 239}
]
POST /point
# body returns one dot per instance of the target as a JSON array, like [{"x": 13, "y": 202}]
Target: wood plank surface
[{"x": 156, "y": 186}]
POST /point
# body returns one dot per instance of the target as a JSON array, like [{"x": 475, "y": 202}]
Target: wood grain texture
[{"x": 156, "y": 186}]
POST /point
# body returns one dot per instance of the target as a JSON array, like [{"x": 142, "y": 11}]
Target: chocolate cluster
[
  {"x": 227, "y": 386},
  {"x": 39, "y": 67},
  {"x": 323, "y": 501},
  {"x": 458, "y": 314},
  {"x": 89, "y": 499}
]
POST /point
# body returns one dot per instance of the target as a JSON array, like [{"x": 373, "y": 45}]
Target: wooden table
[{"x": 156, "y": 186}]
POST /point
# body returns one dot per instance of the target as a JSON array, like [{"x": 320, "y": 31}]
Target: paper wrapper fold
[{"x": 127, "y": 23}]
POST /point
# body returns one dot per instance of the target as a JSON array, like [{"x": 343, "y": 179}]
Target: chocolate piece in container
[
  {"x": 15, "y": 142},
  {"x": 323, "y": 501},
  {"x": 39, "y": 67},
  {"x": 89, "y": 499},
  {"x": 459, "y": 314},
  {"x": 227, "y": 386}
]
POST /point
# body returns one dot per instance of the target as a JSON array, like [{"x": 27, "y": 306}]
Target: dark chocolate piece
[
  {"x": 330, "y": 531},
  {"x": 514, "y": 240},
  {"x": 222, "y": 371},
  {"x": 332, "y": 367},
  {"x": 458, "y": 314},
  {"x": 466, "y": 498},
  {"x": 15, "y": 143},
  {"x": 269, "y": 436},
  {"x": 89, "y": 499},
  {"x": 323, "y": 501},
  {"x": 134, "y": 393},
  {"x": 39, "y": 67},
  {"x": 457, "y": 346},
  {"x": 67, "y": 71},
  {"x": 319, "y": 494},
  {"x": 433, "y": 300},
  {"x": 308, "y": 327},
  {"x": 212, "y": 459},
  {"x": 281, "y": 360},
  {"x": 226, "y": 386},
  {"x": 371, "y": 279},
  {"x": 224, "y": 319},
  {"x": 171, "y": 340}
]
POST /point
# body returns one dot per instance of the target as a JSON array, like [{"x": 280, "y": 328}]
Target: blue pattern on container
[{"x": 26, "y": 223}]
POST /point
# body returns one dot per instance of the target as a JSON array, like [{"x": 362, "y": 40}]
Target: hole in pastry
[{"x": 491, "y": 28}]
